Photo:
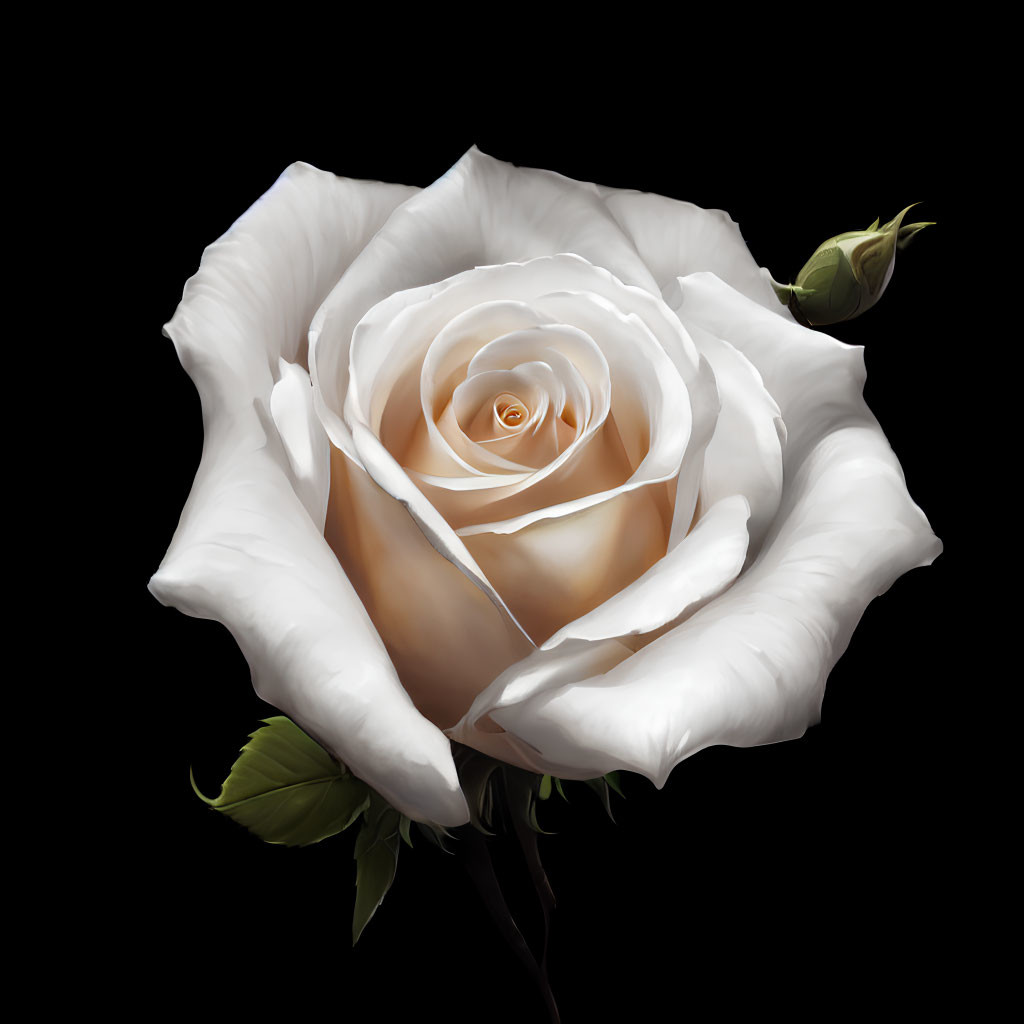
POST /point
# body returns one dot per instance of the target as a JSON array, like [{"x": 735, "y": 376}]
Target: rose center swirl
[
  {"x": 549, "y": 436},
  {"x": 510, "y": 412},
  {"x": 513, "y": 403}
]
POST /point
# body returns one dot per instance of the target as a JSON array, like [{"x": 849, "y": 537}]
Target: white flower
[{"x": 569, "y": 485}]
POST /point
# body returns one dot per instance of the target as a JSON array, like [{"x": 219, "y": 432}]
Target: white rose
[{"x": 528, "y": 463}]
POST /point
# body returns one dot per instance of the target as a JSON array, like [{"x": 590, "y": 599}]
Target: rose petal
[
  {"x": 744, "y": 455},
  {"x": 246, "y": 552},
  {"x": 392, "y": 479},
  {"x": 410, "y": 352},
  {"x": 445, "y": 637},
  {"x": 303, "y": 437},
  {"x": 555, "y": 569},
  {"x": 697, "y": 569},
  {"x": 750, "y": 667},
  {"x": 581, "y": 369},
  {"x": 566, "y": 555},
  {"x": 655, "y": 413},
  {"x": 676, "y": 238},
  {"x": 533, "y": 440},
  {"x": 575, "y": 659},
  {"x": 658, "y": 319},
  {"x": 482, "y": 212}
]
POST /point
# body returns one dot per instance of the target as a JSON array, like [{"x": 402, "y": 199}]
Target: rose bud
[{"x": 847, "y": 274}]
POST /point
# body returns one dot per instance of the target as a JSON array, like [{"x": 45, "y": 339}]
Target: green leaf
[
  {"x": 376, "y": 854},
  {"x": 545, "y": 788},
  {"x": 375, "y": 871},
  {"x": 287, "y": 789}
]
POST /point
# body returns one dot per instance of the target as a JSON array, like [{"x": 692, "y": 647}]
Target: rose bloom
[{"x": 527, "y": 463}]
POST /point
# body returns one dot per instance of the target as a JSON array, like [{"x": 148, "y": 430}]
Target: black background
[{"x": 760, "y": 877}]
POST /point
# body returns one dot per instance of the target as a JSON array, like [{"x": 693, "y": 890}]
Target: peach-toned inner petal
[
  {"x": 544, "y": 427},
  {"x": 556, "y": 570},
  {"x": 518, "y": 416},
  {"x": 600, "y": 465},
  {"x": 505, "y": 402},
  {"x": 443, "y": 635}
]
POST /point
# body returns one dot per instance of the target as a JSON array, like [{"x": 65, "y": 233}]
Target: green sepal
[
  {"x": 873, "y": 226},
  {"x": 561, "y": 791},
  {"x": 476, "y": 773},
  {"x": 601, "y": 788},
  {"x": 786, "y": 293},
  {"x": 434, "y": 834},
  {"x": 404, "y": 826},
  {"x": 286, "y": 789},
  {"x": 545, "y": 788},
  {"x": 894, "y": 224},
  {"x": 907, "y": 232},
  {"x": 521, "y": 788},
  {"x": 614, "y": 779},
  {"x": 380, "y": 821},
  {"x": 376, "y": 856}
]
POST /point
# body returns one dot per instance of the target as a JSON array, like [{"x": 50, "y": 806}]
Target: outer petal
[
  {"x": 304, "y": 440},
  {"x": 246, "y": 552},
  {"x": 745, "y": 452},
  {"x": 750, "y": 667},
  {"x": 676, "y": 239}
]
